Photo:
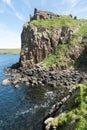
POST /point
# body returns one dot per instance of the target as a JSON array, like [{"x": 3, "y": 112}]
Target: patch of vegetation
[
  {"x": 10, "y": 51},
  {"x": 60, "y": 56},
  {"x": 73, "y": 53},
  {"x": 76, "y": 119},
  {"x": 60, "y": 22},
  {"x": 81, "y": 61},
  {"x": 50, "y": 60},
  {"x": 82, "y": 31}
]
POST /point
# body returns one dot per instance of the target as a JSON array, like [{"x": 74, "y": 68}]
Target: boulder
[
  {"x": 48, "y": 120},
  {"x": 6, "y": 82},
  {"x": 17, "y": 86},
  {"x": 47, "y": 123}
]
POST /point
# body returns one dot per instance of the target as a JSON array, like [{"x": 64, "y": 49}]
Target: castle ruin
[{"x": 42, "y": 15}]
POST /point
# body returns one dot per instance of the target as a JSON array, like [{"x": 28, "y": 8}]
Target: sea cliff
[{"x": 54, "y": 54}]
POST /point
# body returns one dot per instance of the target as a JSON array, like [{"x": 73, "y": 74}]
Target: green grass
[
  {"x": 10, "y": 51},
  {"x": 81, "y": 61},
  {"x": 82, "y": 31},
  {"x": 78, "y": 113},
  {"x": 50, "y": 60},
  {"x": 62, "y": 21},
  {"x": 60, "y": 56}
]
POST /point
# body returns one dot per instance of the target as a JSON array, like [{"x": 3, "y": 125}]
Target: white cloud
[
  {"x": 8, "y": 38},
  {"x": 9, "y": 3},
  {"x": 14, "y": 12},
  {"x": 19, "y": 16}
]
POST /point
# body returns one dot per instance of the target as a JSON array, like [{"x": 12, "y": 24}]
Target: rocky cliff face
[{"x": 39, "y": 42}]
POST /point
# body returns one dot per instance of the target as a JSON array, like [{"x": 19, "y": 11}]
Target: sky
[{"x": 15, "y": 13}]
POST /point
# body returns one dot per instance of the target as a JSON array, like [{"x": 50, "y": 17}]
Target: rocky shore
[
  {"x": 45, "y": 77},
  {"x": 64, "y": 81},
  {"x": 56, "y": 110}
]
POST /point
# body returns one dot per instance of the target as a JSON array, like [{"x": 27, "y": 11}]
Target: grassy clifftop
[
  {"x": 64, "y": 38},
  {"x": 69, "y": 54},
  {"x": 62, "y": 21},
  {"x": 83, "y": 30}
]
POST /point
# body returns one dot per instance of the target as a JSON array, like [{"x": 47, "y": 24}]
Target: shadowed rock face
[{"x": 39, "y": 42}]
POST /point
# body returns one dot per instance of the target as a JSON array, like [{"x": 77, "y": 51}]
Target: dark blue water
[{"x": 22, "y": 108}]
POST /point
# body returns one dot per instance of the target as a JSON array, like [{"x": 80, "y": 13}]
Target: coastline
[
  {"x": 10, "y": 51},
  {"x": 64, "y": 82}
]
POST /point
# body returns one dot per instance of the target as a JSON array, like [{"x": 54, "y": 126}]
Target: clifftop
[{"x": 52, "y": 40}]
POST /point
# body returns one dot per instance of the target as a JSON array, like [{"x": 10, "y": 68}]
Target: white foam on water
[
  {"x": 49, "y": 95},
  {"x": 24, "y": 112},
  {"x": 44, "y": 105},
  {"x": 36, "y": 106}
]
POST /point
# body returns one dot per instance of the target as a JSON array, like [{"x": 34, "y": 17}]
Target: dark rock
[
  {"x": 15, "y": 66},
  {"x": 51, "y": 84},
  {"x": 29, "y": 72}
]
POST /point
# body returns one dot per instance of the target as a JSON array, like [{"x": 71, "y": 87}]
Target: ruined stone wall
[{"x": 39, "y": 15}]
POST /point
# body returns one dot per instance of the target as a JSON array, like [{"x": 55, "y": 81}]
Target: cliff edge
[{"x": 52, "y": 40}]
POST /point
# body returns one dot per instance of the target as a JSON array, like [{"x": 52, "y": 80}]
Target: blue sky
[{"x": 14, "y": 13}]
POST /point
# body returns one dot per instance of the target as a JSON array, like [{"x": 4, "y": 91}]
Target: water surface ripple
[{"x": 22, "y": 108}]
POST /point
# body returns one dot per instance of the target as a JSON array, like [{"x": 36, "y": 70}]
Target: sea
[{"x": 25, "y": 107}]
